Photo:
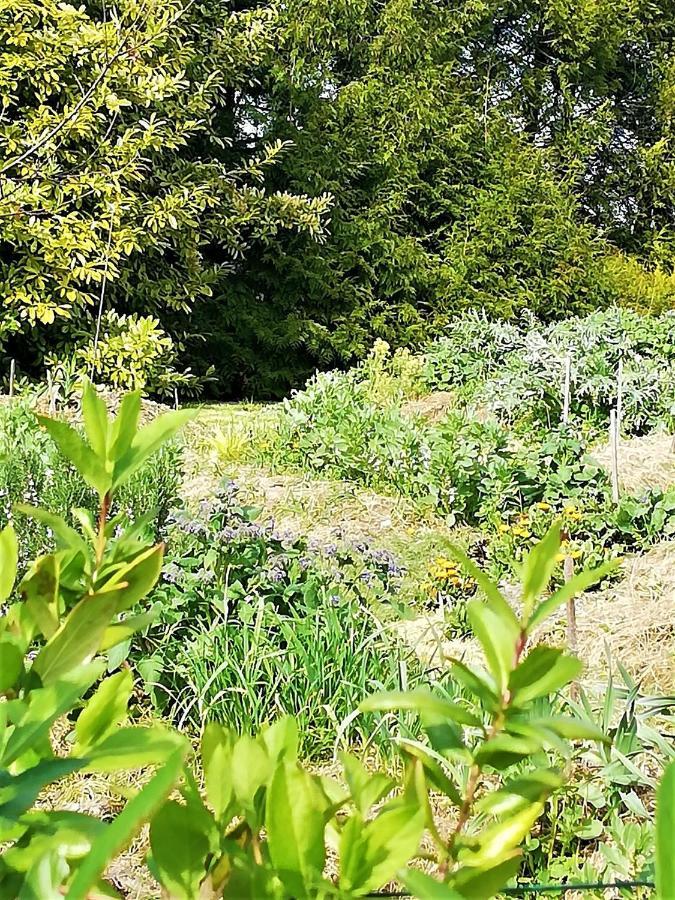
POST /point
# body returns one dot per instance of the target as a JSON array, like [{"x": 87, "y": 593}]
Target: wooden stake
[
  {"x": 614, "y": 449},
  {"x": 175, "y": 398},
  {"x": 12, "y": 374},
  {"x": 619, "y": 401},
  {"x": 567, "y": 390},
  {"x": 572, "y": 637}
]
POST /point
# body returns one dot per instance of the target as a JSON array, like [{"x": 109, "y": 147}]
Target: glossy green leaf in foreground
[
  {"x": 295, "y": 828},
  {"x": 538, "y": 567},
  {"x": 122, "y": 829},
  {"x": 371, "y": 853},
  {"x": 216, "y": 753},
  {"x": 179, "y": 844},
  {"x": 79, "y": 453},
  {"x": 95, "y": 416},
  {"x": 45, "y": 705},
  {"x": 11, "y": 662},
  {"x": 146, "y": 441},
  {"x": 424, "y": 887},
  {"x": 665, "y": 835},
  {"x": 576, "y": 585},
  {"x": 421, "y": 701},
  {"x": 9, "y": 556},
  {"x": 104, "y": 711},
  {"x": 497, "y": 638},
  {"x": 543, "y": 671},
  {"x": 137, "y": 578},
  {"x": 78, "y": 639}
]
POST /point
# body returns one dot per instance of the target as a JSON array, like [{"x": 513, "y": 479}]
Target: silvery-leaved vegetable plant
[{"x": 72, "y": 611}]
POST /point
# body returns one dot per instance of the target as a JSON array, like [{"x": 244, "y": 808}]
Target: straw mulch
[{"x": 644, "y": 462}]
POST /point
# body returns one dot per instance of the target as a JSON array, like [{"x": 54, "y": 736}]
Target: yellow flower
[
  {"x": 542, "y": 505},
  {"x": 504, "y": 528},
  {"x": 521, "y": 532},
  {"x": 560, "y": 557}
]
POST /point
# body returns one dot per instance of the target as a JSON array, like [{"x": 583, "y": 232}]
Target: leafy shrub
[
  {"x": 72, "y": 609},
  {"x": 257, "y": 623},
  {"x": 135, "y": 352},
  {"x": 32, "y": 470}
]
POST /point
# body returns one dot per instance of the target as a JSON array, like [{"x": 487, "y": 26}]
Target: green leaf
[
  {"x": 372, "y": 853},
  {"x": 521, "y": 791},
  {"x": 66, "y": 536},
  {"x": 482, "y": 884},
  {"x": 148, "y": 440},
  {"x": 136, "y": 579},
  {"x": 19, "y": 792},
  {"x": 433, "y": 769},
  {"x": 125, "y": 426},
  {"x": 665, "y": 829},
  {"x": 45, "y": 705},
  {"x": 424, "y": 887},
  {"x": 505, "y": 750},
  {"x": 572, "y": 729},
  {"x": 123, "y": 828},
  {"x": 366, "y": 788},
  {"x": 40, "y": 592},
  {"x": 104, "y": 711},
  {"x": 538, "y": 567},
  {"x": 281, "y": 739},
  {"x": 78, "y": 639},
  {"x": 493, "y": 596},
  {"x": 9, "y": 558},
  {"x": 497, "y": 638},
  {"x": 179, "y": 847},
  {"x": 133, "y": 747},
  {"x": 500, "y": 841},
  {"x": 79, "y": 453},
  {"x": 295, "y": 828},
  {"x": 543, "y": 671},
  {"x": 121, "y": 631},
  {"x": 95, "y": 416},
  {"x": 216, "y": 750},
  {"x": 420, "y": 701},
  {"x": 250, "y": 770},
  {"x": 445, "y": 737},
  {"x": 11, "y": 662},
  {"x": 576, "y": 585},
  {"x": 475, "y": 682}
]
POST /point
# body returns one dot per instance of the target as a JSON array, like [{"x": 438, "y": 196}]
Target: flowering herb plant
[{"x": 254, "y": 621}]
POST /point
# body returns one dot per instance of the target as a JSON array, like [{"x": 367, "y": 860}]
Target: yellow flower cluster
[
  {"x": 519, "y": 528},
  {"x": 446, "y": 570},
  {"x": 571, "y": 512}
]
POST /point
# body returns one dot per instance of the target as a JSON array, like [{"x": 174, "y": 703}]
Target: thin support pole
[
  {"x": 12, "y": 376},
  {"x": 614, "y": 449},
  {"x": 619, "y": 400},
  {"x": 567, "y": 389}
]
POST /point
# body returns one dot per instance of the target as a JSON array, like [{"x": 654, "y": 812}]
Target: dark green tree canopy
[{"x": 285, "y": 182}]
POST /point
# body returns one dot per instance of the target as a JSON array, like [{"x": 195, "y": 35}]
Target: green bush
[
  {"x": 256, "y": 623},
  {"x": 33, "y": 471}
]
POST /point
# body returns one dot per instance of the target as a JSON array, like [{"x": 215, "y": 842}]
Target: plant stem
[
  {"x": 103, "y": 514},
  {"x": 473, "y": 782}
]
